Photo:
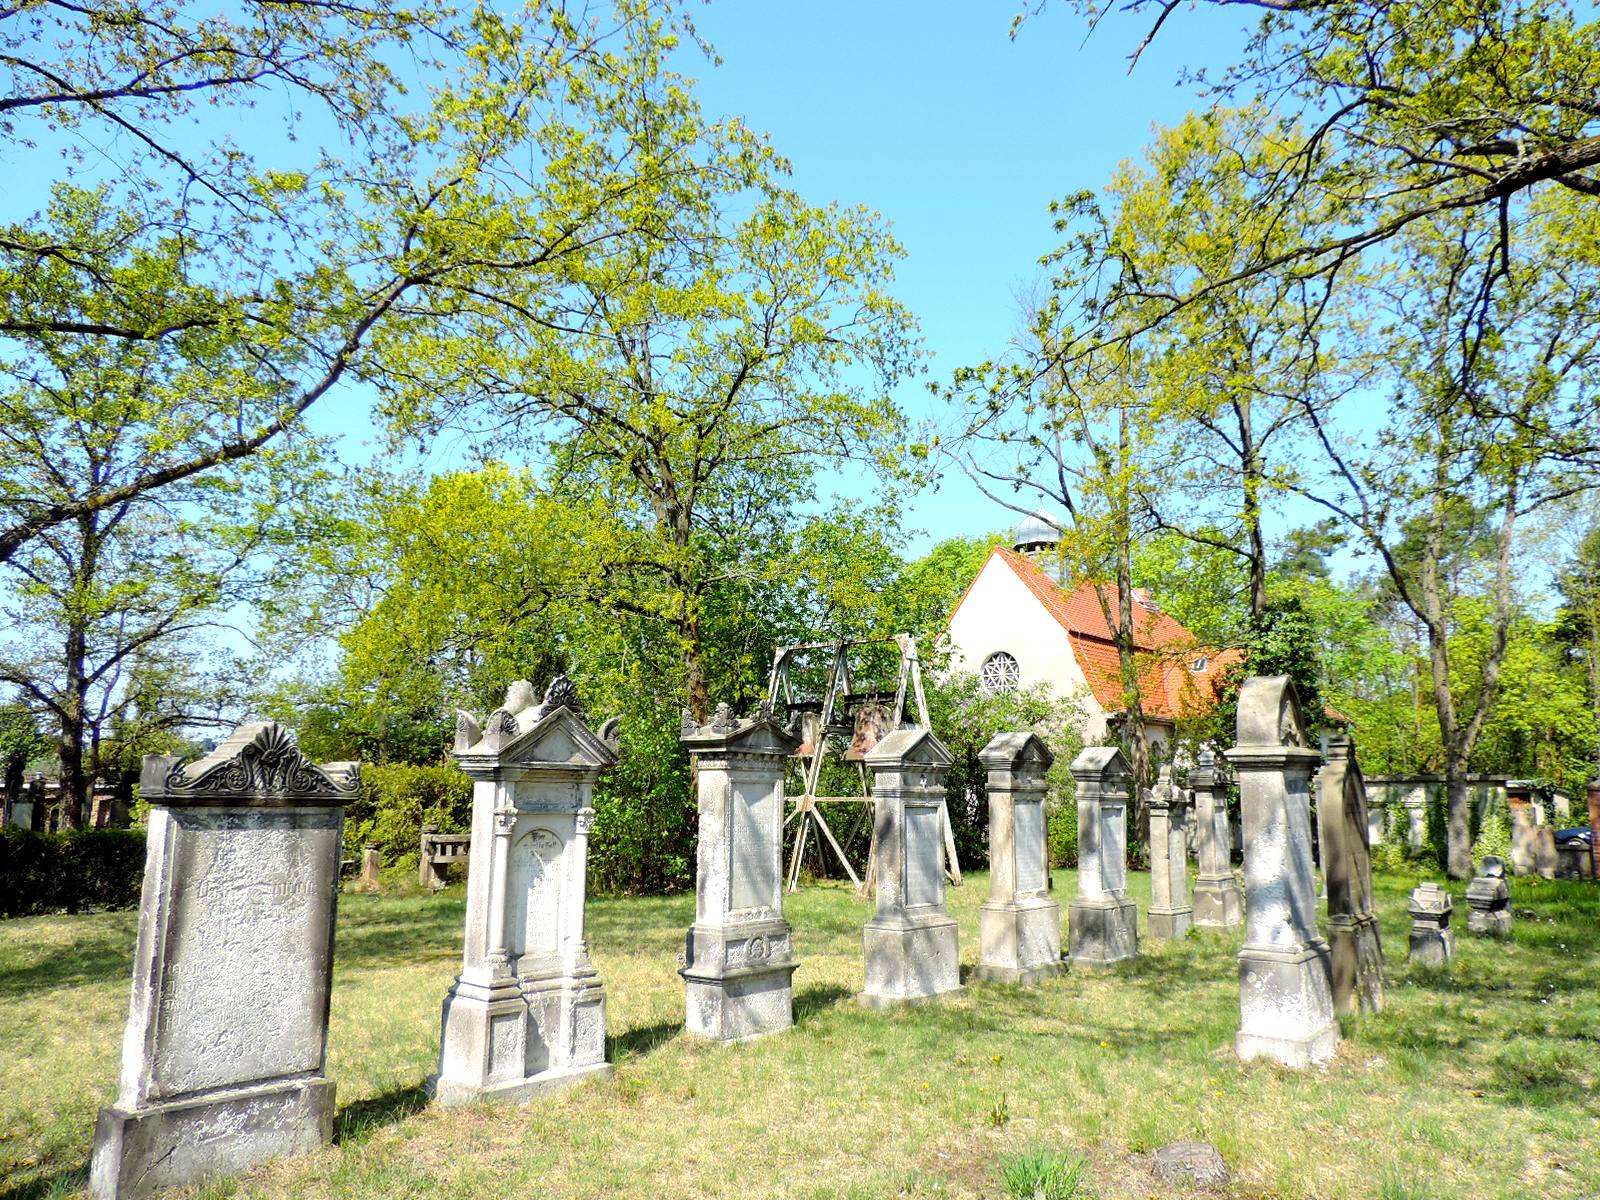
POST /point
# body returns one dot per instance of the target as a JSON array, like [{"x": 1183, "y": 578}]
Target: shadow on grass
[
  {"x": 641, "y": 1040},
  {"x": 360, "y": 1117},
  {"x": 814, "y": 1000},
  {"x": 78, "y": 968},
  {"x": 61, "y": 1182}
]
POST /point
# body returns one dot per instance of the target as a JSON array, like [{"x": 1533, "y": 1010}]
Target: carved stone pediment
[
  {"x": 1101, "y": 763},
  {"x": 256, "y": 764},
  {"x": 726, "y": 734},
  {"x": 1016, "y": 751},
  {"x": 1269, "y": 713},
  {"x": 556, "y": 738},
  {"x": 909, "y": 746}
]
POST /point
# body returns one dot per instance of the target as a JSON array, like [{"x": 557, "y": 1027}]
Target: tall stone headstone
[
  {"x": 1285, "y": 969},
  {"x": 1170, "y": 914},
  {"x": 1353, "y": 937},
  {"x": 1019, "y": 927},
  {"x": 526, "y": 1015},
  {"x": 1102, "y": 923},
  {"x": 1524, "y": 827},
  {"x": 1594, "y": 825},
  {"x": 1489, "y": 897},
  {"x": 223, "y": 1057},
  {"x": 1432, "y": 943},
  {"x": 912, "y": 944},
  {"x": 1217, "y": 902},
  {"x": 738, "y": 963}
]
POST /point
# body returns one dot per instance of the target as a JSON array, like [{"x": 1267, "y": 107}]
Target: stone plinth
[
  {"x": 1285, "y": 969},
  {"x": 1020, "y": 925},
  {"x": 371, "y": 865},
  {"x": 1102, "y": 923},
  {"x": 1217, "y": 902},
  {"x": 223, "y": 1057},
  {"x": 911, "y": 944},
  {"x": 526, "y": 1015},
  {"x": 738, "y": 962},
  {"x": 1170, "y": 913},
  {"x": 1353, "y": 938},
  {"x": 1432, "y": 943},
  {"x": 1490, "y": 898},
  {"x": 1573, "y": 861}
]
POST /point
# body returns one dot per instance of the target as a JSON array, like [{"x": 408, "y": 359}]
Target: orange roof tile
[{"x": 1168, "y": 684}]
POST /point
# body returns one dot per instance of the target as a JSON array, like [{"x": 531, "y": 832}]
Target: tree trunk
[
  {"x": 1251, "y": 477},
  {"x": 694, "y": 667},
  {"x": 1458, "y": 815}
]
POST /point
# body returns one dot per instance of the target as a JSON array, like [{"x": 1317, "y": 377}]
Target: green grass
[{"x": 1480, "y": 1080}]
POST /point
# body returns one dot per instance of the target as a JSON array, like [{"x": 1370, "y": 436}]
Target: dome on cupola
[{"x": 1036, "y": 531}]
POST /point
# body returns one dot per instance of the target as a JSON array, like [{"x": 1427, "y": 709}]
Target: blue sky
[{"x": 932, "y": 114}]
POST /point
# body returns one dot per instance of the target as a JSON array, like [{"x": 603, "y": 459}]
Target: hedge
[
  {"x": 69, "y": 871},
  {"x": 397, "y": 800}
]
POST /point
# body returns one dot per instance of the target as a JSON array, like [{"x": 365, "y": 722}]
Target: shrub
[
  {"x": 1494, "y": 837},
  {"x": 69, "y": 871},
  {"x": 1043, "y": 1175},
  {"x": 645, "y": 818},
  {"x": 397, "y": 799}
]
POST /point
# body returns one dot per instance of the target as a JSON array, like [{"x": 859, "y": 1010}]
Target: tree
[
  {"x": 1407, "y": 114},
  {"x": 1492, "y": 418},
  {"x": 284, "y": 269},
  {"x": 1577, "y": 624},
  {"x": 21, "y": 740},
  {"x": 693, "y": 371}
]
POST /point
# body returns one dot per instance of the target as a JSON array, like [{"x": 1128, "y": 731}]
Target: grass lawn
[{"x": 1480, "y": 1081}]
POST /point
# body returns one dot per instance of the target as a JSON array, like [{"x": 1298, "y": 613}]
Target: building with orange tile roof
[{"x": 1019, "y": 626}]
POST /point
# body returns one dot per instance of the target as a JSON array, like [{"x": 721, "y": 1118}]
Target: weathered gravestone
[
  {"x": 224, "y": 1052},
  {"x": 1285, "y": 973},
  {"x": 1432, "y": 943},
  {"x": 1217, "y": 902},
  {"x": 1347, "y": 867},
  {"x": 527, "y": 1013},
  {"x": 1490, "y": 898},
  {"x": 1102, "y": 923},
  {"x": 738, "y": 964},
  {"x": 911, "y": 944},
  {"x": 1020, "y": 925},
  {"x": 1170, "y": 913}
]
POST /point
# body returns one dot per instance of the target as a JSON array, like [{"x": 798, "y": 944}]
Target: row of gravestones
[{"x": 225, "y": 1048}]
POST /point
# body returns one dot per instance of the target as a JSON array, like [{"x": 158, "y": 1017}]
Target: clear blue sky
[{"x": 933, "y": 115}]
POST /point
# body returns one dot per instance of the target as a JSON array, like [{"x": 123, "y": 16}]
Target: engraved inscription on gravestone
[
  {"x": 1029, "y": 833},
  {"x": 923, "y": 861},
  {"x": 536, "y": 867},
  {"x": 754, "y": 866},
  {"x": 249, "y": 928}
]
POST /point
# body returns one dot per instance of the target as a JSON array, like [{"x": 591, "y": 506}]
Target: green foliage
[
  {"x": 1282, "y": 640},
  {"x": 1494, "y": 838},
  {"x": 69, "y": 871},
  {"x": 1044, "y": 1175},
  {"x": 964, "y": 718},
  {"x": 645, "y": 818},
  {"x": 397, "y": 799}
]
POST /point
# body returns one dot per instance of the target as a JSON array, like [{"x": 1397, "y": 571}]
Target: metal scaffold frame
[{"x": 840, "y": 699}]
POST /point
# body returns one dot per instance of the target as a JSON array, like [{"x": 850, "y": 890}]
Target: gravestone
[
  {"x": 1170, "y": 913},
  {"x": 1594, "y": 825},
  {"x": 1432, "y": 943},
  {"x": 1285, "y": 972},
  {"x": 371, "y": 865},
  {"x": 1353, "y": 937},
  {"x": 1217, "y": 902},
  {"x": 1490, "y": 898},
  {"x": 1019, "y": 926},
  {"x": 738, "y": 963},
  {"x": 526, "y": 1015},
  {"x": 223, "y": 1057},
  {"x": 1524, "y": 827},
  {"x": 911, "y": 945},
  {"x": 1102, "y": 923}
]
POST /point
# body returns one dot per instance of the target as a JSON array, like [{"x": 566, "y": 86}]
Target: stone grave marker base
[
  {"x": 1490, "y": 924},
  {"x": 183, "y": 1141},
  {"x": 1170, "y": 922},
  {"x": 1102, "y": 931},
  {"x": 1020, "y": 942},
  {"x": 910, "y": 961},
  {"x": 1218, "y": 904},
  {"x": 742, "y": 1004},
  {"x": 1286, "y": 1009},
  {"x": 512, "y": 1039},
  {"x": 1357, "y": 956}
]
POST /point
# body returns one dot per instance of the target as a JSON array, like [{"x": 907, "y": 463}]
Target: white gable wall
[{"x": 1000, "y": 612}]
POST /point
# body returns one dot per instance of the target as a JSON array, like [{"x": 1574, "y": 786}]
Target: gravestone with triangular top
[
  {"x": 526, "y": 1015},
  {"x": 1019, "y": 928}
]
